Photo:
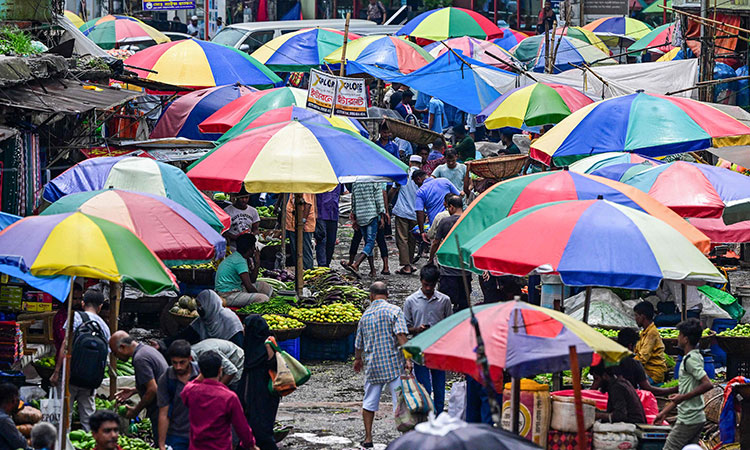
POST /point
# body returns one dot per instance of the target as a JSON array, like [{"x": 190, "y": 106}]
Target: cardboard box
[{"x": 37, "y": 306}]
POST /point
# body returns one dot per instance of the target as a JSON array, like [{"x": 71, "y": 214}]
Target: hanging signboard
[
  {"x": 606, "y": 7},
  {"x": 163, "y": 5},
  {"x": 338, "y": 96}
]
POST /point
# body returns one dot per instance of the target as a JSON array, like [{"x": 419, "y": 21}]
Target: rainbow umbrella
[
  {"x": 477, "y": 49},
  {"x": 649, "y": 124},
  {"x": 721, "y": 233},
  {"x": 533, "y": 105},
  {"x": 199, "y": 64},
  {"x": 591, "y": 243},
  {"x": 181, "y": 118},
  {"x": 445, "y": 23},
  {"x": 653, "y": 8},
  {"x": 111, "y": 31},
  {"x": 618, "y": 26},
  {"x": 294, "y": 157},
  {"x": 238, "y": 112},
  {"x": 74, "y": 18},
  {"x": 510, "y": 38},
  {"x": 76, "y": 244},
  {"x": 170, "y": 230},
  {"x": 387, "y": 52},
  {"x": 660, "y": 37},
  {"x": 596, "y": 162},
  {"x": 521, "y": 338},
  {"x": 583, "y": 35},
  {"x": 137, "y": 174},
  {"x": 301, "y": 50},
  {"x": 571, "y": 53},
  {"x": 512, "y": 196}
]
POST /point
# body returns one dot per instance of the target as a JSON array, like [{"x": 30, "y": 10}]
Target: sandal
[
  {"x": 352, "y": 270},
  {"x": 403, "y": 272},
  {"x": 364, "y": 444},
  {"x": 385, "y": 272}
]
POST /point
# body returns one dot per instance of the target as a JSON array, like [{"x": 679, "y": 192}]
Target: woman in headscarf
[
  {"x": 214, "y": 321},
  {"x": 260, "y": 405}
]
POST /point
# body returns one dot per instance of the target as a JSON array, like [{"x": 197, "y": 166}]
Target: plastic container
[
  {"x": 326, "y": 349},
  {"x": 719, "y": 325},
  {"x": 564, "y": 414},
  {"x": 535, "y": 411},
  {"x": 291, "y": 346},
  {"x": 708, "y": 366}
]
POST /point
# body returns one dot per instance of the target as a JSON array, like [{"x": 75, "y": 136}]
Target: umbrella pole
[
  {"x": 683, "y": 313},
  {"x": 114, "y": 314},
  {"x": 282, "y": 215},
  {"x": 66, "y": 366},
  {"x": 575, "y": 371},
  {"x": 342, "y": 70},
  {"x": 298, "y": 227},
  {"x": 587, "y": 305}
]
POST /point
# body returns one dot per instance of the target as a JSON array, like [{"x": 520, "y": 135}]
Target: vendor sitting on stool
[
  {"x": 650, "y": 349},
  {"x": 623, "y": 404},
  {"x": 236, "y": 276}
]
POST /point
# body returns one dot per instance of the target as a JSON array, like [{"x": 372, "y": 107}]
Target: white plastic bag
[
  {"x": 457, "y": 400},
  {"x": 52, "y": 407}
]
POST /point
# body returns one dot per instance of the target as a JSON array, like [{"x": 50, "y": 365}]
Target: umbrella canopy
[
  {"x": 477, "y": 49},
  {"x": 696, "y": 190},
  {"x": 182, "y": 116},
  {"x": 571, "y": 53},
  {"x": 137, "y": 174},
  {"x": 170, "y": 230},
  {"x": 294, "y": 157},
  {"x": 445, "y": 23},
  {"x": 533, "y": 105},
  {"x": 510, "y": 38},
  {"x": 672, "y": 55},
  {"x": 301, "y": 50},
  {"x": 596, "y": 162},
  {"x": 200, "y": 64},
  {"x": 517, "y": 194},
  {"x": 660, "y": 36},
  {"x": 74, "y": 18},
  {"x": 520, "y": 338},
  {"x": 592, "y": 243},
  {"x": 389, "y": 52},
  {"x": 113, "y": 30},
  {"x": 654, "y": 8},
  {"x": 619, "y": 26},
  {"x": 649, "y": 124},
  {"x": 460, "y": 436},
  {"x": 241, "y": 111},
  {"x": 621, "y": 172},
  {"x": 721, "y": 233},
  {"x": 76, "y": 244},
  {"x": 583, "y": 35}
]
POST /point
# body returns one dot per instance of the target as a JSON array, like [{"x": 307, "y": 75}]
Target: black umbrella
[{"x": 470, "y": 437}]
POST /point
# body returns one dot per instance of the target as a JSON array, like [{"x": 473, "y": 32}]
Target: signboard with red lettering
[{"x": 346, "y": 96}]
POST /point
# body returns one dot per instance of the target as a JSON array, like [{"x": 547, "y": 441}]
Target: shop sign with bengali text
[
  {"x": 163, "y": 5},
  {"x": 346, "y": 96}
]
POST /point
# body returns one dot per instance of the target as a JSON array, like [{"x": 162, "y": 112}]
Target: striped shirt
[
  {"x": 367, "y": 201},
  {"x": 376, "y": 336}
]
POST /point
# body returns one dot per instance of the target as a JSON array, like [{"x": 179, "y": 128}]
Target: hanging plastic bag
[
  {"x": 405, "y": 419},
  {"x": 300, "y": 373},
  {"x": 282, "y": 380},
  {"x": 457, "y": 400},
  {"x": 417, "y": 399}
]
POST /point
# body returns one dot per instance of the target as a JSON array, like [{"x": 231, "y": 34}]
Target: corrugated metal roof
[{"x": 63, "y": 96}]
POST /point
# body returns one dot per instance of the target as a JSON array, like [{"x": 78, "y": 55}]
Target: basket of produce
[
  {"x": 334, "y": 321},
  {"x": 669, "y": 338},
  {"x": 83, "y": 440},
  {"x": 278, "y": 304},
  {"x": 736, "y": 340},
  {"x": 45, "y": 367},
  {"x": 201, "y": 274},
  {"x": 284, "y": 328},
  {"x": 185, "y": 310},
  {"x": 498, "y": 167},
  {"x": 268, "y": 219}
]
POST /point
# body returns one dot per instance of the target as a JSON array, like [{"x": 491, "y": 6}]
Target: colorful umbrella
[
  {"x": 596, "y": 162},
  {"x": 200, "y": 64},
  {"x": 697, "y": 190},
  {"x": 521, "y": 338},
  {"x": 294, "y": 157},
  {"x": 76, "y": 244},
  {"x": 672, "y": 55},
  {"x": 477, "y": 49},
  {"x": 137, "y": 174},
  {"x": 445, "y": 23},
  {"x": 170, "y": 230},
  {"x": 571, "y": 53},
  {"x": 301, "y": 50},
  {"x": 583, "y": 35},
  {"x": 591, "y": 243},
  {"x": 510, "y": 38},
  {"x": 662, "y": 36},
  {"x": 721, "y": 233},
  {"x": 74, "y": 18},
  {"x": 619, "y": 26},
  {"x": 536, "y": 104},
  {"x": 111, "y": 31},
  {"x": 182, "y": 116},
  {"x": 237, "y": 112},
  {"x": 509, "y": 197},
  {"x": 389, "y": 52},
  {"x": 621, "y": 172},
  {"x": 654, "y": 8},
  {"x": 649, "y": 124}
]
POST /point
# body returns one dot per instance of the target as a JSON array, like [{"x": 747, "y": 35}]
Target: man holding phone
[{"x": 422, "y": 309}]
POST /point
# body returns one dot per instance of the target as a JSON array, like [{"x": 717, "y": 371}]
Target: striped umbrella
[
  {"x": 238, "y": 112},
  {"x": 199, "y": 64},
  {"x": 515, "y": 195},
  {"x": 111, "y": 31},
  {"x": 137, "y": 174},
  {"x": 74, "y": 18},
  {"x": 294, "y": 157},
  {"x": 445, "y": 23},
  {"x": 596, "y": 162},
  {"x": 662, "y": 36},
  {"x": 618, "y": 26},
  {"x": 76, "y": 244},
  {"x": 182, "y": 116},
  {"x": 654, "y": 8},
  {"x": 510, "y": 38},
  {"x": 301, "y": 50},
  {"x": 170, "y": 230},
  {"x": 583, "y": 35},
  {"x": 675, "y": 54},
  {"x": 591, "y": 243},
  {"x": 649, "y": 124},
  {"x": 533, "y": 105},
  {"x": 477, "y": 49},
  {"x": 387, "y": 52},
  {"x": 571, "y": 53}
]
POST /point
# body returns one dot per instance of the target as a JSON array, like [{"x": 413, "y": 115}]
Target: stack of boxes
[
  {"x": 37, "y": 301},
  {"x": 11, "y": 344},
  {"x": 11, "y": 298}
]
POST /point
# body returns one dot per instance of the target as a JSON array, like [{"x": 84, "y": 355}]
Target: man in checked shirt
[{"x": 381, "y": 332}]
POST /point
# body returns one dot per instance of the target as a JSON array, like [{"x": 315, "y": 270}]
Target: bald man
[{"x": 149, "y": 365}]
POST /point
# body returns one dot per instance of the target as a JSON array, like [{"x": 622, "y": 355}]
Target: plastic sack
[
  {"x": 457, "y": 400},
  {"x": 724, "y": 300},
  {"x": 615, "y": 436},
  {"x": 606, "y": 309},
  {"x": 417, "y": 399},
  {"x": 405, "y": 419},
  {"x": 282, "y": 380}
]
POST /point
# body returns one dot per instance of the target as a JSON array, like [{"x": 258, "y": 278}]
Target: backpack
[{"x": 89, "y": 358}]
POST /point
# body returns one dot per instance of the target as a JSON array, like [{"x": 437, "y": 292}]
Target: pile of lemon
[
  {"x": 333, "y": 313},
  {"x": 276, "y": 322}
]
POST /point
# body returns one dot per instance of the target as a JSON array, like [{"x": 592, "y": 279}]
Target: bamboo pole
[
  {"x": 342, "y": 71},
  {"x": 299, "y": 229},
  {"x": 577, "y": 397},
  {"x": 587, "y": 305},
  {"x": 114, "y": 313},
  {"x": 66, "y": 368}
]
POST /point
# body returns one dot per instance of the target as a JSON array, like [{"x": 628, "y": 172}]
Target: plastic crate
[
  {"x": 651, "y": 444},
  {"x": 327, "y": 349},
  {"x": 193, "y": 289},
  {"x": 737, "y": 366},
  {"x": 291, "y": 346},
  {"x": 719, "y": 325}
]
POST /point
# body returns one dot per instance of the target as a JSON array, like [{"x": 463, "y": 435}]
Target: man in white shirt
[
  {"x": 452, "y": 170},
  {"x": 245, "y": 218},
  {"x": 406, "y": 218},
  {"x": 192, "y": 28}
]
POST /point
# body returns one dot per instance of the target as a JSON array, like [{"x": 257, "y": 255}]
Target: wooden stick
[
  {"x": 706, "y": 19},
  {"x": 577, "y": 397},
  {"x": 299, "y": 229},
  {"x": 587, "y": 305},
  {"x": 114, "y": 313},
  {"x": 67, "y": 404},
  {"x": 342, "y": 71}
]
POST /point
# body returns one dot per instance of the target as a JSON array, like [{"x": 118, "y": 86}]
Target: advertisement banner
[
  {"x": 606, "y": 7},
  {"x": 347, "y": 94},
  {"x": 163, "y": 5}
]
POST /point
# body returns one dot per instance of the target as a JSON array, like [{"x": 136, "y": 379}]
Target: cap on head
[
  {"x": 415, "y": 159},
  {"x": 194, "y": 18}
]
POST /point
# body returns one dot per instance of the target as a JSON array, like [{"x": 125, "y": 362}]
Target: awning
[{"x": 64, "y": 96}]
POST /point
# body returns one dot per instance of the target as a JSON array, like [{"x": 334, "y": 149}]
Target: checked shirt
[{"x": 376, "y": 336}]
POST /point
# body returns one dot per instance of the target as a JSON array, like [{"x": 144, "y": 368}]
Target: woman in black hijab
[{"x": 260, "y": 405}]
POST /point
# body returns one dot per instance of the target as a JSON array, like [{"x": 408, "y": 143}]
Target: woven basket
[
  {"x": 44, "y": 372},
  {"x": 319, "y": 330},
  {"x": 498, "y": 167},
  {"x": 671, "y": 348},
  {"x": 268, "y": 223},
  {"x": 285, "y": 335},
  {"x": 182, "y": 321},
  {"x": 201, "y": 277},
  {"x": 739, "y": 346},
  {"x": 713, "y": 400},
  {"x": 412, "y": 133}
]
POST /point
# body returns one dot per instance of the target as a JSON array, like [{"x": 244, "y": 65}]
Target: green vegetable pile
[
  {"x": 670, "y": 383},
  {"x": 84, "y": 441},
  {"x": 48, "y": 362},
  {"x": 741, "y": 330},
  {"x": 670, "y": 361},
  {"x": 672, "y": 333},
  {"x": 609, "y": 333},
  {"x": 125, "y": 368},
  {"x": 277, "y": 285},
  {"x": 16, "y": 42},
  {"x": 277, "y": 305},
  {"x": 266, "y": 211}
]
